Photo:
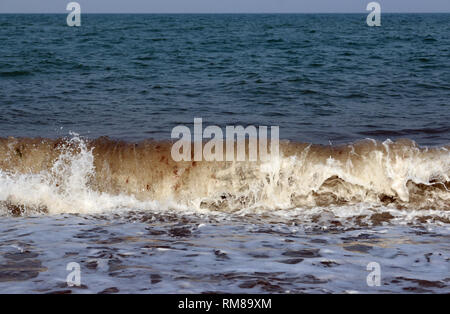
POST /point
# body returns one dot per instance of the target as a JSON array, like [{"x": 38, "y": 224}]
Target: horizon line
[{"x": 237, "y": 13}]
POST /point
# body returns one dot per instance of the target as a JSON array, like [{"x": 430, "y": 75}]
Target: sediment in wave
[{"x": 74, "y": 175}]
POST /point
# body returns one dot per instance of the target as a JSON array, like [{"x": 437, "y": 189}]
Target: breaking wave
[{"x": 75, "y": 175}]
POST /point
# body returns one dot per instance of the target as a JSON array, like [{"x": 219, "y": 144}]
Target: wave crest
[{"x": 85, "y": 176}]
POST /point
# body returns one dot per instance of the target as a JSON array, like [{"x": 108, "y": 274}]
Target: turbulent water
[
  {"x": 75, "y": 176},
  {"x": 362, "y": 174}
]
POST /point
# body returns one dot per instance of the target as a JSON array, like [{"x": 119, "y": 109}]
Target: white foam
[{"x": 67, "y": 186}]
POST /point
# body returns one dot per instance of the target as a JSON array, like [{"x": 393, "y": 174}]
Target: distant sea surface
[{"x": 321, "y": 78}]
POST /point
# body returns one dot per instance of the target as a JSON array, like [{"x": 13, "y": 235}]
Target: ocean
[{"x": 362, "y": 177}]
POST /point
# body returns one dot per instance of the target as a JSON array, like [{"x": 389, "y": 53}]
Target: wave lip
[{"x": 84, "y": 176}]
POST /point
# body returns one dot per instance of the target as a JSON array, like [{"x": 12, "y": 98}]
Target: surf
[{"x": 77, "y": 175}]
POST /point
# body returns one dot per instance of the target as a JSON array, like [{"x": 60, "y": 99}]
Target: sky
[{"x": 222, "y": 6}]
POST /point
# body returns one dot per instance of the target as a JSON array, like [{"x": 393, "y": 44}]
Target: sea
[{"x": 356, "y": 201}]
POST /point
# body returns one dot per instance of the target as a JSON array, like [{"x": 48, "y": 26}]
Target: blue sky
[{"x": 221, "y": 6}]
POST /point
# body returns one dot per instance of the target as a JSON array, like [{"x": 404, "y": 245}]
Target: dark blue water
[{"x": 320, "y": 78}]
